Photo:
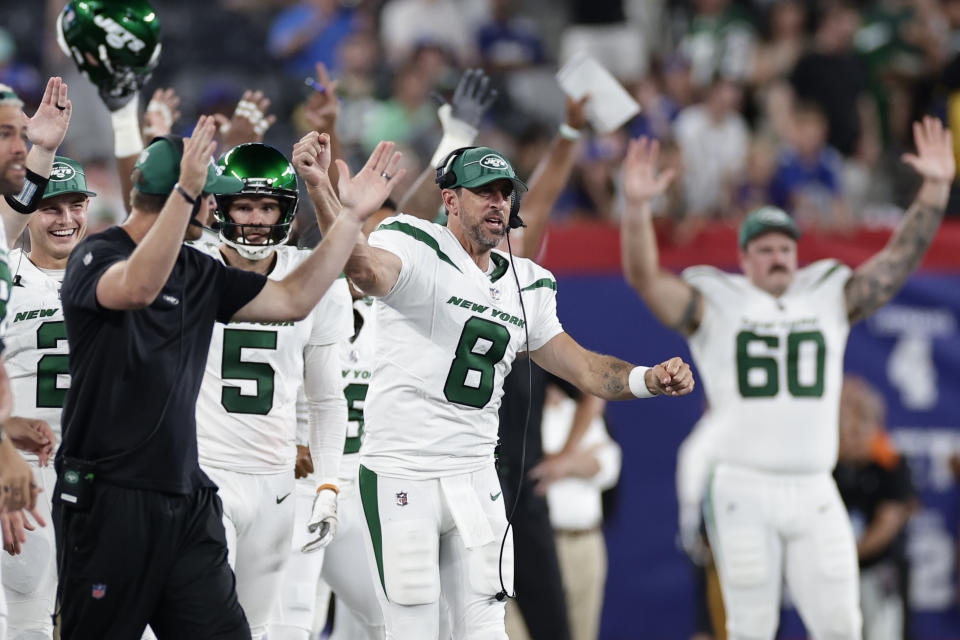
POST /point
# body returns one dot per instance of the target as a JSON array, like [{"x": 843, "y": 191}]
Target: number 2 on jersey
[
  {"x": 482, "y": 345},
  {"x": 234, "y": 341},
  {"x": 769, "y": 365},
  {"x": 51, "y": 365}
]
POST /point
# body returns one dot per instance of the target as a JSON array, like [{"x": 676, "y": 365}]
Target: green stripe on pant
[{"x": 371, "y": 511}]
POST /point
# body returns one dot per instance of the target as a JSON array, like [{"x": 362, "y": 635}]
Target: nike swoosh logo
[
  {"x": 494, "y": 496},
  {"x": 279, "y": 500}
]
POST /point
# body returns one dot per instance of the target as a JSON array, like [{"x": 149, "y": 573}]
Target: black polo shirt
[{"x": 138, "y": 372}]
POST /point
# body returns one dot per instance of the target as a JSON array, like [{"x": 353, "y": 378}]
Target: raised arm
[
  {"x": 549, "y": 179},
  {"x": 674, "y": 302},
  {"x": 294, "y": 296},
  {"x": 373, "y": 270},
  {"x": 45, "y": 131},
  {"x": 608, "y": 377},
  {"x": 877, "y": 280},
  {"x": 135, "y": 282}
]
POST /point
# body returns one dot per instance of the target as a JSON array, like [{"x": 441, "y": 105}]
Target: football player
[
  {"x": 451, "y": 319},
  {"x": 246, "y": 411},
  {"x": 36, "y": 359},
  {"x": 769, "y": 344}
]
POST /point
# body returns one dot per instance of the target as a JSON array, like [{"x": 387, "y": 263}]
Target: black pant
[
  {"x": 137, "y": 557},
  {"x": 537, "y": 578}
]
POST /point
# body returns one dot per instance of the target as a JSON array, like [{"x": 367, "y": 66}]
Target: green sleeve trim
[
  {"x": 500, "y": 266},
  {"x": 545, "y": 283},
  {"x": 826, "y": 275},
  {"x": 371, "y": 511},
  {"x": 421, "y": 235}
]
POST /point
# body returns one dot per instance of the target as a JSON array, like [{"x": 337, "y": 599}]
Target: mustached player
[
  {"x": 246, "y": 411},
  {"x": 450, "y": 324},
  {"x": 769, "y": 345}
]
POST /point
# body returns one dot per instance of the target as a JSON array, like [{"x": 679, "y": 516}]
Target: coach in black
[{"x": 139, "y": 532}]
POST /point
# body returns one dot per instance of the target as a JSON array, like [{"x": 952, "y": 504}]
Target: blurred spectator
[
  {"x": 405, "y": 24},
  {"x": 874, "y": 482},
  {"x": 310, "y": 32},
  {"x": 508, "y": 43},
  {"x": 753, "y": 191},
  {"x": 575, "y": 506},
  {"x": 657, "y": 111},
  {"x": 809, "y": 174},
  {"x": 834, "y": 77},
  {"x": 713, "y": 138},
  {"x": 785, "y": 39},
  {"x": 406, "y": 115},
  {"x": 718, "y": 38},
  {"x": 598, "y": 28}
]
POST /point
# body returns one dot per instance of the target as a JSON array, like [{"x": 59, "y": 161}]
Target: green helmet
[
  {"x": 115, "y": 44},
  {"x": 264, "y": 172}
]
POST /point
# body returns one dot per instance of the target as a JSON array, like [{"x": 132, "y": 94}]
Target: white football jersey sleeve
[
  {"x": 447, "y": 335},
  {"x": 246, "y": 410},
  {"x": 36, "y": 355},
  {"x": 772, "y": 367}
]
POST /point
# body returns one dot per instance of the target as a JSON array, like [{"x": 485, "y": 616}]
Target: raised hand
[
  {"x": 48, "y": 126},
  {"x": 362, "y": 194},
  {"x": 473, "y": 97},
  {"x": 322, "y": 107},
  {"x": 162, "y": 111},
  {"x": 577, "y": 112},
  {"x": 641, "y": 180},
  {"x": 248, "y": 122},
  {"x": 670, "y": 378},
  {"x": 934, "y": 159},
  {"x": 311, "y": 158},
  {"x": 197, "y": 151}
]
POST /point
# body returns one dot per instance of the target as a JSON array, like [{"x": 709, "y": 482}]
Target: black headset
[{"x": 447, "y": 178}]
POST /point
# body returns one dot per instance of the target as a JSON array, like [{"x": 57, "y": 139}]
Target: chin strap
[{"x": 251, "y": 252}]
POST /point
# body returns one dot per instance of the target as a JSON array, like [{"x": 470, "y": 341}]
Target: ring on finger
[{"x": 385, "y": 175}]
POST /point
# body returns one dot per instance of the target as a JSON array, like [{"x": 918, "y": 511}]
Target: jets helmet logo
[
  {"x": 117, "y": 36},
  {"x": 61, "y": 172},
  {"x": 493, "y": 161}
]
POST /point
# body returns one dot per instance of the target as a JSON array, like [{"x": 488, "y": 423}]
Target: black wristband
[
  {"x": 186, "y": 196},
  {"x": 30, "y": 195}
]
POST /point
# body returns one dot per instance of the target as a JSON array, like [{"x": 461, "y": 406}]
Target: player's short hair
[{"x": 145, "y": 202}]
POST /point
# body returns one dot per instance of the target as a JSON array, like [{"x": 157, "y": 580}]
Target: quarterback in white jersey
[
  {"x": 769, "y": 345},
  {"x": 36, "y": 360},
  {"x": 247, "y": 407},
  {"x": 451, "y": 319}
]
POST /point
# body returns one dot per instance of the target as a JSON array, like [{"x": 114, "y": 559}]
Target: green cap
[
  {"x": 66, "y": 176},
  {"x": 159, "y": 166},
  {"x": 478, "y": 166},
  {"x": 766, "y": 219}
]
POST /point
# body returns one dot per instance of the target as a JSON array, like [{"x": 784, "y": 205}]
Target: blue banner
[{"x": 910, "y": 350}]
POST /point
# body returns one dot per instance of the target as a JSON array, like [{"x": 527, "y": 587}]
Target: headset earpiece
[{"x": 446, "y": 178}]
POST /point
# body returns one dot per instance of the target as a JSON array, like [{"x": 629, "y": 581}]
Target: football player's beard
[
  {"x": 481, "y": 236},
  {"x": 8, "y": 185}
]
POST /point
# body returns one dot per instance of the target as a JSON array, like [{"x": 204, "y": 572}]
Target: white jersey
[
  {"x": 36, "y": 353},
  {"x": 447, "y": 335},
  {"x": 246, "y": 411},
  {"x": 772, "y": 367}
]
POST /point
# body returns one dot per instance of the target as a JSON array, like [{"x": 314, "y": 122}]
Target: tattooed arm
[
  {"x": 876, "y": 281},
  {"x": 606, "y": 376}
]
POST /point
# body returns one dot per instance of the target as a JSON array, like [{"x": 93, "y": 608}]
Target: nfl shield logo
[
  {"x": 98, "y": 591},
  {"x": 402, "y": 499},
  {"x": 495, "y": 293}
]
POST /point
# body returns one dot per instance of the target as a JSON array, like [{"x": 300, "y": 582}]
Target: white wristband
[
  {"x": 638, "y": 383},
  {"x": 456, "y": 134},
  {"x": 126, "y": 129},
  {"x": 568, "y": 132}
]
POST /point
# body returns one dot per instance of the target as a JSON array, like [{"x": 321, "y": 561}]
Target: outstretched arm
[
  {"x": 373, "y": 270},
  {"x": 674, "y": 302},
  {"x": 295, "y": 295},
  {"x": 876, "y": 281},
  {"x": 609, "y": 377},
  {"x": 45, "y": 131}
]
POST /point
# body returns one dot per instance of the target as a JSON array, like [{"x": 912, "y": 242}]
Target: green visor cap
[
  {"x": 66, "y": 176},
  {"x": 477, "y": 167},
  {"x": 159, "y": 166},
  {"x": 764, "y": 219}
]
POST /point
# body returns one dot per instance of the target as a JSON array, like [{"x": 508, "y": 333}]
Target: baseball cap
[
  {"x": 159, "y": 166},
  {"x": 481, "y": 165},
  {"x": 66, "y": 176},
  {"x": 766, "y": 219}
]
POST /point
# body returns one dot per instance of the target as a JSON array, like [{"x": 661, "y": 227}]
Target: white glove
[{"x": 323, "y": 520}]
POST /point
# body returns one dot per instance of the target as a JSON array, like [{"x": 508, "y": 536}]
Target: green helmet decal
[
  {"x": 265, "y": 172},
  {"x": 114, "y": 43}
]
